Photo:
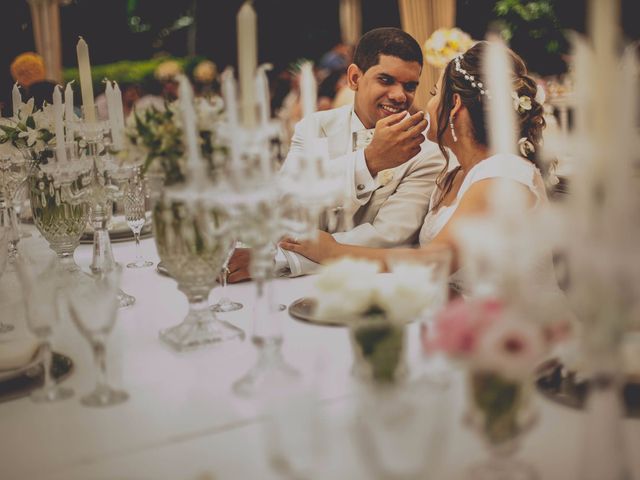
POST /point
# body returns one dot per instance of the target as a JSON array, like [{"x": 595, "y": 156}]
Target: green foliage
[
  {"x": 129, "y": 71},
  {"x": 533, "y": 30},
  {"x": 499, "y": 400},
  {"x": 381, "y": 346}
]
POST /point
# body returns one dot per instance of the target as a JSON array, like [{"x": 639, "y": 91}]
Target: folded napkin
[{"x": 16, "y": 352}]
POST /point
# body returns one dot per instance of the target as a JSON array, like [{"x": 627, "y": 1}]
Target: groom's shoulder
[
  {"x": 430, "y": 153},
  {"x": 327, "y": 116}
]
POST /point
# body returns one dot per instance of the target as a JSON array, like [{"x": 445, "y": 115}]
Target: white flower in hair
[{"x": 521, "y": 103}]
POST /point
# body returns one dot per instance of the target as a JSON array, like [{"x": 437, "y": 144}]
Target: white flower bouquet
[
  {"x": 29, "y": 129},
  {"x": 376, "y": 307},
  {"x": 157, "y": 136}
]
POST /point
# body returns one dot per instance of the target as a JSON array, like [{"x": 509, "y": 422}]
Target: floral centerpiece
[
  {"x": 501, "y": 351},
  {"x": 156, "y": 136},
  {"x": 444, "y": 44},
  {"x": 29, "y": 128},
  {"x": 376, "y": 307}
]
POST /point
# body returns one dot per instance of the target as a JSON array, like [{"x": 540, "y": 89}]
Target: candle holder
[
  {"x": 254, "y": 201},
  {"x": 107, "y": 185}
]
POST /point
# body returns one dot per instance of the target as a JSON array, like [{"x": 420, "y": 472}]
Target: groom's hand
[
  {"x": 396, "y": 139},
  {"x": 239, "y": 265}
]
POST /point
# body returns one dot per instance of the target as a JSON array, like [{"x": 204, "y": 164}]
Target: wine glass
[
  {"x": 93, "y": 307},
  {"x": 5, "y": 232},
  {"x": 225, "y": 304},
  {"x": 13, "y": 172},
  {"x": 40, "y": 288},
  {"x": 135, "y": 213}
]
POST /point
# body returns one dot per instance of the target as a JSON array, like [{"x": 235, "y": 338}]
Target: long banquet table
[{"x": 182, "y": 420}]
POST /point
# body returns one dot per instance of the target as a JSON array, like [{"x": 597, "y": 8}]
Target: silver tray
[
  {"x": 304, "y": 309},
  {"x": 566, "y": 388}
]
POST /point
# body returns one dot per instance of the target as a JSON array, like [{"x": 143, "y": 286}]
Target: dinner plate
[
  {"x": 36, "y": 358},
  {"x": 23, "y": 380},
  {"x": 120, "y": 231},
  {"x": 304, "y": 309}
]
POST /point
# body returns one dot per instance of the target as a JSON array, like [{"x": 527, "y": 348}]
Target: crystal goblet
[
  {"x": 57, "y": 192},
  {"x": 193, "y": 241},
  {"x": 93, "y": 307},
  {"x": 40, "y": 288}
]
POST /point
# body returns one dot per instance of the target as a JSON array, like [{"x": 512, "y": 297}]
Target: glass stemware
[
  {"x": 4, "y": 253},
  {"x": 14, "y": 170},
  {"x": 193, "y": 241},
  {"x": 40, "y": 287},
  {"x": 135, "y": 213},
  {"x": 93, "y": 307},
  {"x": 57, "y": 192},
  {"x": 225, "y": 304}
]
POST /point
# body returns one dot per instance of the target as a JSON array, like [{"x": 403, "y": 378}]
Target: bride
[{"x": 457, "y": 111}]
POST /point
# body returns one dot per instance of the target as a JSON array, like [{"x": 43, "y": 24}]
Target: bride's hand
[{"x": 318, "y": 250}]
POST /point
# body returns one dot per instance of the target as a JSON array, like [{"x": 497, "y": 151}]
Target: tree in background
[{"x": 533, "y": 29}]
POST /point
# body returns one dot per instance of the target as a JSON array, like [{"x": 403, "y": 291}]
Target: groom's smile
[{"x": 385, "y": 89}]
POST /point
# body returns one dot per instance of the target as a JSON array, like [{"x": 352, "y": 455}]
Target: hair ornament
[
  {"x": 526, "y": 147},
  {"x": 467, "y": 76},
  {"x": 521, "y": 103}
]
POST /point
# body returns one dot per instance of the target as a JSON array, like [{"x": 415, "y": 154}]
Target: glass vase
[
  {"x": 501, "y": 411},
  {"x": 379, "y": 350},
  {"x": 193, "y": 242}
]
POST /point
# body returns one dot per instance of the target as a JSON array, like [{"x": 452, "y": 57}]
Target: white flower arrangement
[
  {"x": 157, "y": 137},
  {"x": 351, "y": 289},
  {"x": 29, "y": 128}
]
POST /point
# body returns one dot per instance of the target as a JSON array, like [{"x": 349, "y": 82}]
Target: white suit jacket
[{"x": 389, "y": 209}]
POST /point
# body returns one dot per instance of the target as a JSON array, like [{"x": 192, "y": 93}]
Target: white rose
[
  {"x": 346, "y": 288},
  {"x": 406, "y": 293}
]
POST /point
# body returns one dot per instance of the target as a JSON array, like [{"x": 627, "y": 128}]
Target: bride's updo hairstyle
[{"x": 464, "y": 75}]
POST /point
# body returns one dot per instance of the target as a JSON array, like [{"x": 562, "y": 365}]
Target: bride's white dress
[{"x": 503, "y": 166}]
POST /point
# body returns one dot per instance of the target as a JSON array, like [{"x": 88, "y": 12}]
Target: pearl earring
[{"x": 453, "y": 131}]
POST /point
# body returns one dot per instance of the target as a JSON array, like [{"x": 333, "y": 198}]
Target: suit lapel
[{"x": 337, "y": 130}]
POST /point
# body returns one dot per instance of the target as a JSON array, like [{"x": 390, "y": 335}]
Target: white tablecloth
[{"x": 183, "y": 422}]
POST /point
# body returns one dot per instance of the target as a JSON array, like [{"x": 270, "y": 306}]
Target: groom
[{"x": 380, "y": 150}]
